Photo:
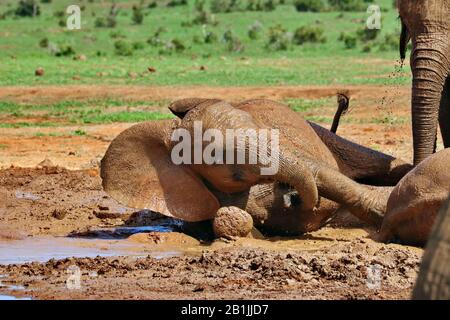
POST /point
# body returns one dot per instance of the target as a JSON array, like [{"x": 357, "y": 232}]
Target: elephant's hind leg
[{"x": 444, "y": 114}]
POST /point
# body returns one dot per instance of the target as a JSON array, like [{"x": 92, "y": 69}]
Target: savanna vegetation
[{"x": 196, "y": 42}]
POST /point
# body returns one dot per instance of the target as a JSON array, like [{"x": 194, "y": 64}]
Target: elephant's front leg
[
  {"x": 444, "y": 114},
  {"x": 232, "y": 222}
]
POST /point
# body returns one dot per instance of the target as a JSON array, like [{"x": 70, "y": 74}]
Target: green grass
[
  {"x": 96, "y": 111},
  {"x": 309, "y": 64},
  {"x": 125, "y": 116},
  {"x": 305, "y": 105}
]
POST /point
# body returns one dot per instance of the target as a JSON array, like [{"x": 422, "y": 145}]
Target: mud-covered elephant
[
  {"x": 138, "y": 170},
  {"x": 433, "y": 281},
  {"x": 427, "y": 24},
  {"x": 415, "y": 201}
]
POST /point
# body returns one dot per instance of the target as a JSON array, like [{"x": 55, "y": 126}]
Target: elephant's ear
[
  {"x": 138, "y": 172},
  {"x": 182, "y": 106}
]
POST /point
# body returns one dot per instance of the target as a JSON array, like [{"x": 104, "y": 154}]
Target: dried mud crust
[{"x": 340, "y": 273}]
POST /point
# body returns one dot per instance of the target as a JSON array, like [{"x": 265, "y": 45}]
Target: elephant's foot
[
  {"x": 371, "y": 207},
  {"x": 365, "y": 202},
  {"x": 232, "y": 222}
]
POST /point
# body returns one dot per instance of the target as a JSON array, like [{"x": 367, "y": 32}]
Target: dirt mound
[{"x": 55, "y": 201}]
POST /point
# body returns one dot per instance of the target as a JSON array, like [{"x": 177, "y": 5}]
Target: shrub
[
  {"x": 117, "y": 35},
  {"x": 28, "y": 8},
  {"x": 64, "y": 51},
  {"x": 365, "y": 34},
  {"x": 254, "y": 30},
  {"x": 174, "y": 45},
  {"x": 261, "y": 5},
  {"x": 59, "y": 14},
  {"x": 233, "y": 44},
  {"x": 310, "y": 5},
  {"x": 138, "y": 16},
  {"x": 123, "y": 48},
  {"x": 390, "y": 42},
  {"x": 210, "y": 37},
  {"x": 309, "y": 34},
  {"x": 175, "y": 3},
  {"x": 279, "y": 38},
  {"x": 349, "y": 40},
  {"x": 111, "y": 19},
  {"x": 138, "y": 45},
  {"x": 46, "y": 1},
  {"x": 222, "y": 6},
  {"x": 201, "y": 16},
  {"x": 155, "y": 39},
  {"x": 348, "y": 5},
  {"x": 43, "y": 43},
  {"x": 152, "y": 4}
]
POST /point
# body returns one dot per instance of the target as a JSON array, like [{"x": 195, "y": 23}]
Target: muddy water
[{"x": 42, "y": 249}]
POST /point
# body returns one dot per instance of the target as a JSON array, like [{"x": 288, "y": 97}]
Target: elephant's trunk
[
  {"x": 430, "y": 66},
  {"x": 298, "y": 174},
  {"x": 311, "y": 179}
]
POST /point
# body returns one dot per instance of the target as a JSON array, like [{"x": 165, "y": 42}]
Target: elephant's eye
[{"x": 291, "y": 199}]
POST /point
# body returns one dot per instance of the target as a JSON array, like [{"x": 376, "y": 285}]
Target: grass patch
[
  {"x": 304, "y": 105},
  {"x": 31, "y": 42},
  {"x": 124, "y": 116}
]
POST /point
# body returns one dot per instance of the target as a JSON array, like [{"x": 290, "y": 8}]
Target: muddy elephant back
[
  {"x": 433, "y": 281},
  {"x": 415, "y": 201},
  {"x": 296, "y": 135}
]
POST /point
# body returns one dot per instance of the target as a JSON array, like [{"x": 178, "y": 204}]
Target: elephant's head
[
  {"x": 141, "y": 167},
  {"x": 243, "y": 150},
  {"x": 427, "y": 24}
]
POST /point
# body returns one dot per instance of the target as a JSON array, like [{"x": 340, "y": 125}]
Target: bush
[
  {"x": 310, "y": 5},
  {"x": 59, "y": 14},
  {"x": 279, "y": 38},
  {"x": 43, "y": 43},
  {"x": 27, "y": 8},
  {"x": 223, "y": 6},
  {"x": 390, "y": 42},
  {"x": 111, "y": 19},
  {"x": 138, "y": 16},
  {"x": 46, "y": 1},
  {"x": 233, "y": 44},
  {"x": 155, "y": 39},
  {"x": 201, "y": 15},
  {"x": 175, "y": 3},
  {"x": 138, "y": 45},
  {"x": 365, "y": 34},
  {"x": 261, "y": 5},
  {"x": 254, "y": 30},
  {"x": 64, "y": 51},
  {"x": 349, "y": 5},
  {"x": 210, "y": 37},
  {"x": 174, "y": 45},
  {"x": 123, "y": 48},
  {"x": 349, "y": 40},
  {"x": 309, "y": 34}
]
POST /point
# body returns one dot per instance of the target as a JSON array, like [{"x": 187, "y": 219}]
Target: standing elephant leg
[
  {"x": 444, "y": 114},
  {"x": 433, "y": 280}
]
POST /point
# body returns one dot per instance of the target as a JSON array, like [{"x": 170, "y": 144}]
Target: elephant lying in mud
[
  {"x": 414, "y": 202},
  {"x": 433, "y": 281},
  {"x": 317, "y": 170}
]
